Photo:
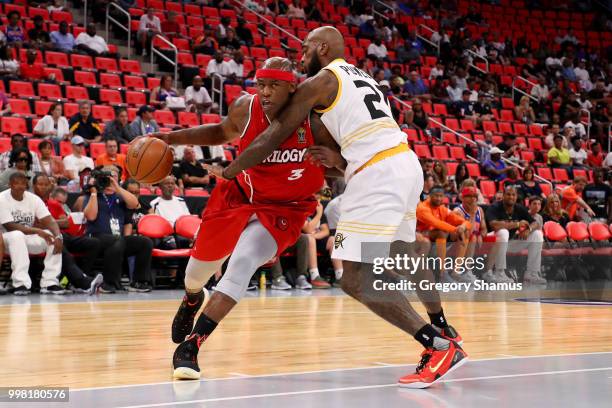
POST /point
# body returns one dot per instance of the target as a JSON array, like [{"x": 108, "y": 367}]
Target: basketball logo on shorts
[
  {"x": 282, "y": 223},
  {"x": 338, "y": 240},
  {"x": 301, "y": 134}
]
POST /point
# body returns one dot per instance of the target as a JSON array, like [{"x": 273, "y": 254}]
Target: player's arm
[
  {"x": 318, "y": 91},
  {"x": 326, "y": 151},
  {"x": 213, "y": 134}
]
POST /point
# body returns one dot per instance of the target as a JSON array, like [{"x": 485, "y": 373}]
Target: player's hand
[
  {"x": 46, "y": 236},
  {"x": 215, "y": 170},
  {"x": 58, "y": 245},
  {"x": 163, "y": 136},
  {"x": 461, "y": 230},
  {"x": 325, "y": 156},
  {"x": 590, "y": 212}
]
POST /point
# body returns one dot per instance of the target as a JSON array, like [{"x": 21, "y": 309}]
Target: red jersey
[{"x": 286, "y": 175}]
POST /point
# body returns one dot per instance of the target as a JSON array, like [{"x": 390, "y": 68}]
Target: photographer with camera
[{"x": 105, "y": 209}]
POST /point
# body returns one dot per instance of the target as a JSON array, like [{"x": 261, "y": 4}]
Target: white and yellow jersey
[{"x": 360, "y": 118}]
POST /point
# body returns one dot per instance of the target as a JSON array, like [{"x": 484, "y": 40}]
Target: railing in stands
[
  {"x": 266, "y": 20},
  {"x": 478, "y": 56},
  {"x": 217, "y": 80},
  {"x": 383, "y": 5},
  {"x": 609, "y": 136},
  {"x": 516, "y": 89},
  {"x": 435, "y": 44},
  {"x": 110, "y": 19},
  {"x": 85, "y": 14},
  {"x": 155, "y": 51}
]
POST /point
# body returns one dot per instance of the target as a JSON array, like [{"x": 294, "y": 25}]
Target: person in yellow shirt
[
  {"x": 113, "y": 158},
  {"x": 558, "y": 156}
]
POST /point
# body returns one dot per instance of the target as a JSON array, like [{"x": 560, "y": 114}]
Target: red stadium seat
[
  {"x": 520, "y": 128},
  {"x": 70, "y": 109},
  {"x": 440, "y": 152},
  {"x": 534, "y": 143},
  {"x": 20, "y": 107},
  {"x": 196, "y": 193},
  {"x": 577, "y": 231},
  {"x": 59, "y": 16},
  {"x": 154, "y": 226},
  {"x": 12, "y": 125},
  {"x": 536, "y": 130},
  {"x": 5, "y": 144},
  {"x": 457, "y": 153},
  {"x": 81, "y": 61},
  {"x": 85, "y": 78},
  {"x": 135, "y": 98},
  {"x": 560, "y": 175},
  {"x": 232, "y": 92},
  {"x": 20, "y": 88},
  {"x": 130, "y": 66},
  {"x": 134, "y": 82},
  {"x": 545, "y": 173},
  {"x": 599, "y": 231},
  {"x": 448, "y": 137},
  {"x": 77, "y": 93},
  {"x": 210, "y": 118},
  {"x": 49, "y": 91},
  {"x": 505, "y": 127},
  {"x": 488, "y": 189},
  {"x": 188, "y": 119},
  {"x": 422, "y": 150},
  {"x": 467, "y": 124},
  {"x": 96, "y": 149},
  {"x": 58, "y": 59},
  {"x": 111, "y": 96},
  {"x": 554, "y": 231},
  {"x": 103, "y": 113},
  {"x": 106, "y": 64},
  {"x": 41, "y": 108},
  {"x": 440, "y": 109},
  {"x": 488, "y": 125},
  {"x": 33, "y": 144},
  {"x": 110, "y": 80},
  {"x": 165, "y": 117}
]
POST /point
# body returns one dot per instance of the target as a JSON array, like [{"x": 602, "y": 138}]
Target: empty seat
[
  {"x": 96, "y": 149},
  {"x": 165, "y": 117},
  {"x": 81, "y": 61},
  {"x": 49, "y": 91},
  {"x": 135, "y": 98},
  {"x": 134, "y": 82},
  {"x": 103, "y": 113},
  {"x": 12, "y": 125},
  {"x": 41, "y": 108},
  {"x": 489, "y": 125},
  {"x": 422, "y": 150},
  {"x": 76, "y": 93},
  {"x": 232, "y": 92},
  {"x": 129, "y": 66},
  {"x": 21, "y": 88},
  {"x": 457, "y": 153},
  {"x": 440, "y": 152},
  {"x": 210, "y": 118},
  {"x": 20, "y": 107},
  {"x": 560, "y": 175},
  {"x": 188, "y": 119},
  {"x": 487, "y": 187},
  {"x": 58, "y": 59},
  {"x": 111, "y": 96},
  {"x": 110, "y": 80},
  {"x": 106, "y": 64},
  {"x": 85, "y": 78},
  {"x": 473, "y": 170}
]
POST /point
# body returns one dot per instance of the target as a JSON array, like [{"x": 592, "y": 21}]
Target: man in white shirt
[
  {"x": 540, "y": 91},
  {"x": 91, "y": 43},
  {"x": 197, "y": 97},
  {"x": 236, "y": 67},
  {"x": 76, "y": 162},
  {"x": 218, "y": 66},
  {"x": 574, "y": 123},
  {"x": 168, "y": 205},
  {"x": 19, "y": 211},
  {"x": 577, "y": 154},
  {"x": 377, "y": 49},
  {"x": 149, "y": 26},
  {"x": 455, "y": 93},
  {"x": 607, "y": 163},
  {"x": 584, "y": 79}
]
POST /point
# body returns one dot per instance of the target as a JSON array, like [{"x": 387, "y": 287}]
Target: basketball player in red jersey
[{"x": 254, "y": 217}]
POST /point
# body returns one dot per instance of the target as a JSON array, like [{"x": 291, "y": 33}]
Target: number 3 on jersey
[
  {"x": 370, "y": 98},
  {"x": 296, "y": 174}
]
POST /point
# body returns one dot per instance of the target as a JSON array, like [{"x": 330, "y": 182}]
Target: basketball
[{"x": 149, "y": 160}]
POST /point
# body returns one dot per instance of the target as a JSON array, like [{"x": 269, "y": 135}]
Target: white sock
[
  {"x": 314, "y": 273},
  {"x": 338, "y": 273}
]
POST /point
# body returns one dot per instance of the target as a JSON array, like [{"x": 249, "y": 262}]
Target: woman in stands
[
  {"x": 554, "y": 212},
  {"x": 461, "y": 174},
  {"x": 165, "y": 89},
  {"x": 53, "y": 126},
  {"x": 52, "y": 166},
  {"x": 524, "y": 112},
  {"x": 440, "y": 173},
  {"x": 416, "y": 117},
  {"x": 531, "y": 187},
  {"x": 9, "y": 67},
  {"x": 20, "y": 161}
]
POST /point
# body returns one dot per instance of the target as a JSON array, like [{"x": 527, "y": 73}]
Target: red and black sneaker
[
  {"x": 182, "y": 325},
  {"x": 434, "y": 365},
  {"x": 450, "y": 333},
  {"x": 185, "y": 359}
]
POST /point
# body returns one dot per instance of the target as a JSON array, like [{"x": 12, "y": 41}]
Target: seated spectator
[
  {"x": 367, "y": 29},
  {"x": 437, "y": 71},
  {"x": 595, "y": 157},
  {"x": 91, "y": 43},
  {"x": 112, "y": 157},
  {"x": 495, "y": 168},
  {"x": 53, "y": 126},
  {"x": 167, "y": 204},
  {"x": 20, "y": 162},
  {"x": 32, "y": 70},
  {"x": 407, "y": 54},
  {"x": 352, "y": 18},
  {"x": 524, "y": 112},
  {"x": 469, "y": 182},
  {"x": 559, "y": 156},
  {"x": 119, "y": 129},
  {"x": 509, "y": 146},
  {"x": 436, "y": 223},
  {"x": 535, "y": 206},
  {"x": 245, "y": 36},
  {"x": 148, "y": 27},
  {"x": 161, "y": 93},
  {"x": 440, "y": 173},
  {"x": 218, "y": 66},
  {"x": 598, "y": 196},
  {"x": 193, "y": 173},
  {"x": 197, "y": 97},
  {"x": 13, "y": 32},
  {"x": 58, "y": 5},
  {"x": 52, "y": 166},
  {"x": 514, "y": 180},
  {"x": 230, "y": 43},
  {"x": 572, "y": 202},
  {"x": 576, "y": 124},
  {"x": 18, "y": 212},
  {"x": 206, "y": 43},
  {"x": 312, "y": 11},
  {"x": 84, "y": 125},
  {"x": 540, "y": 91},
  {"x": 133, "y": 217},
  {"x": 87, "y": 247},
  {"x": 455, "y": 93},
  {"x": 553, "y": 211},
  {"x": 295, "y": 10},
  {"x": 549, "y": 140},
  {"x": 461, "y": 174},
  {"x": 483, "y": 110},
  {"x": 9, "y": 66},
  {"x": 380, "y": 66},
  {"x": 530, "y": 186},
  {"x": 428, "y": 183},
  {"x": 62, "y": 39},
  {"x": 515, "y": 229},
  {"x": 465, "y": 107},
  {"x": 76, "y": 162},
  {"x": 471, "y": 212},
  {"x": 221, "y": 31},
  {"x": 577, "y": 154},
  {"x": 5, "y": 107},
  {"x": 105, "y": 212},
  {"x": 415, "y": 86},
  {"x": 236, "y": 68},
  {"x": 316, "y": 230},
  {"x": 416, "y": 117},
  {"x": 377, "y": 50},
  {"x": 144, "y": 124},
  {"x": 18, "y": 142},
  {"x": 37, "y": 36}
]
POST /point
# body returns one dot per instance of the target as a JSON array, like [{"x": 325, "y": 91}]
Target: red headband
[{"x": 275, "y": 74}]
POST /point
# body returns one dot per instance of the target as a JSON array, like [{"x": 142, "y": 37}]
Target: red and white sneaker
[
  {"x": 434, "y": 365},
  {"x": 450, "y": 333}
]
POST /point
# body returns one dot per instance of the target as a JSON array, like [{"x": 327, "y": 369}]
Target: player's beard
[{"x": 314, "y": 67}]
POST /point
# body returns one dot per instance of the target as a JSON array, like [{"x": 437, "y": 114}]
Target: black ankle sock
[
  {"x": 204, "y": 326},
  {"x": 438, "y": 319},
  {"x": 194, "y": 297},
  {"x": 429, "y": 337}
]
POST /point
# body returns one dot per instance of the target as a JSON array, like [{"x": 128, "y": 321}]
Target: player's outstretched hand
[
  {"x": 325, "y": 156},
  {"x": 215, "y": 170},
  {"x": 165, "y": 137}
]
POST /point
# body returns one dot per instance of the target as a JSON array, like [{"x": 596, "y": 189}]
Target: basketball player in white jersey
[{"x": 384, "y": 181}]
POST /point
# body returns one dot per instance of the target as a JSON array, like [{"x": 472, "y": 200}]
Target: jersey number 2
[
  {"x": 370, "y": 98},
  {"x": 296, "y": 174}
]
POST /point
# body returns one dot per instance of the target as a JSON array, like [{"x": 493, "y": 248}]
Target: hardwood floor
[{"x": 128, "y": 342}]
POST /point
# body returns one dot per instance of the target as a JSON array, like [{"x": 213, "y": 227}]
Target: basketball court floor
[{"x": 304, "y": 349}]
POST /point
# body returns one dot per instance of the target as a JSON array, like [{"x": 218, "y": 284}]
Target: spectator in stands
[
  {"x": 353, "y": 18},
  {"x": 167, "y": 204},
  {"x": 106, "y": 214},
  {"x": 197, "y": 97},
  {"x": 230, "y": 43},
  {"x": 435, "y": 222},
  {"x": 440, "y": 173},
  {"x": 572, "y": 202},
  {"x": 598, "y": 196},
  {"x": 9, "y": 66},
  {"x": 236, "y": 68},
  {"x": 19, "y": 211},
  {"x": 427, "y": 165},
  {"x": 62, "y": 39},
  {"x": 437, "y": 71},
  {"x": 222, "y": 28},
  {"x": 576, "y": 124},
  {"x": 218, "y": 66},
  {"x": 465, "y": 107},
  {"x": 2, "y": 36},
  {"x": 577, "y": 154},
  {"x": 367, "y": 29},
  {"x": 133, "y": 217},
  {"x": 312, "y": 11},
  {"x": 471, "y": 212},
  {"x": 567, "y": 70},
  {"x": 38, "y": 37},
  {"x": 58, "y": 5},
  {"x": 77, "y": 161},
  {"x": 243, "y": 33},
  {"x": 112, "y": 157},
  {"x": 600, "y": 122},
  {"x": 20, "y": 162},
  {"x": 377, "y": 50},
  {"x": 535, "y": 206},
  {"x": 84, "y": 125},
  {"x": 559, "y": 156},
  {"x": 162, "y": 92},
  {"x": 91, "y": 43},
  {"x": 53, "y": 126},
  {"x": 148, "y": 27},
  {"x": 415, "y": 86},
  {"x": 5, "y": 106},
  {"x": 119, "y": 128},
  {"x": 52, "y": 166},
  {"x": 87, "y": 247},
  {"x": 461, "y": 174},
  {"x": 482, "y": 108},
  {"x": 13, "y": 32},
  {"x": 32, "y": 70},
  {"x": 316, "y": 230},
  {"x": 428, "y": 184},
  {"x": 540, "y": 91},
  {"x": 549, "y": 140},
  {"x": 416, "y": 117},
  {"x": 524, "y": 112},
  {"x": 206, "y": 43},
  {"x": 595, "y": 157},
  {"x": 18, "y": 142},
  {"x": 193, "y": 173},
  {"x": 453, "y": 90},
  {"x": 513, "y": 179},
  {"x": 554, "y": 212},
  {"x": 495, "y": 168},
  {"x": 469, "y": 182},
  {"x": 407, "y": 54},
  {"x": 509, "y": 145},
  {"x": 530, "y": 186},
  {"x": 515, "y": 228},
  {"x": 144, "y": 124}
]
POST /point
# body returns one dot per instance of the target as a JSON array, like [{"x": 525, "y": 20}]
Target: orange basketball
[{"x": 149, "y": 160}]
